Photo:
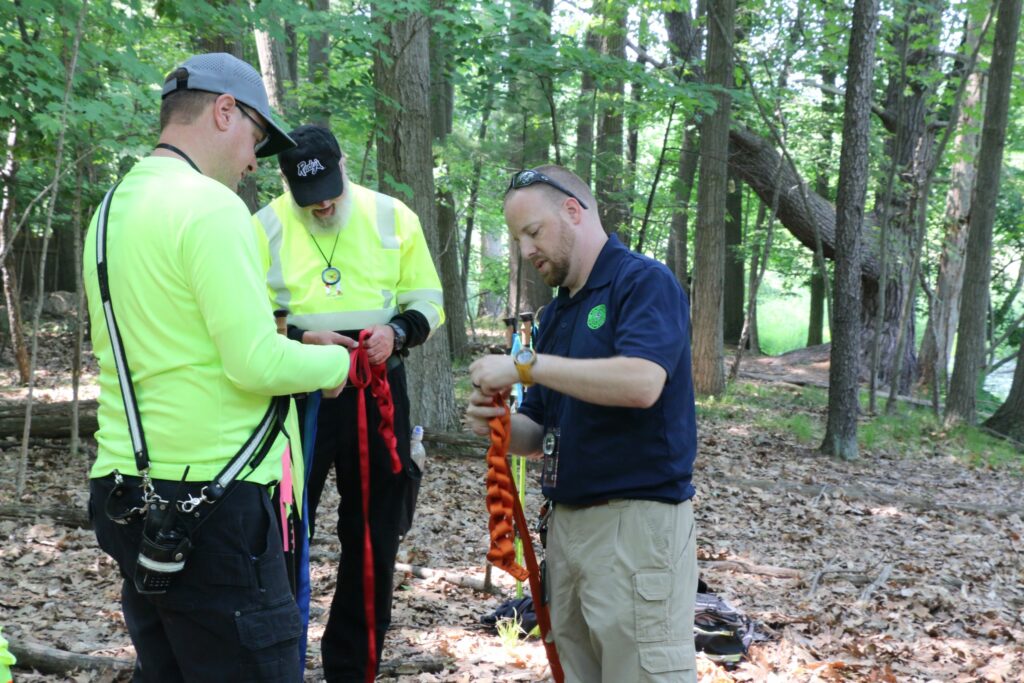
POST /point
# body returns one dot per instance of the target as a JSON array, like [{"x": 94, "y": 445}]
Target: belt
[{"x": 582, "y": 506}]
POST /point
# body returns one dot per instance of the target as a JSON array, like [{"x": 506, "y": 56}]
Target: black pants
[
  {"x": 229, "y": 614},
  {"x": 392, "y": 502}
]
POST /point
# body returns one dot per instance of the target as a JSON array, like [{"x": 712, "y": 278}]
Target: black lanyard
[{"x": 172, "y": 148}]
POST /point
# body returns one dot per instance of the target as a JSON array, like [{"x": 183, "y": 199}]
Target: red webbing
[
  {"x": 361, "y": 375},
  {"x": 506, "y": 516}
]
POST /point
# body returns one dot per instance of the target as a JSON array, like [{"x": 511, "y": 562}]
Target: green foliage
[
  {"x": 799, "y": 413},
  {"x": 915, "y": 432},
  {"x": 782, "y": 318}
]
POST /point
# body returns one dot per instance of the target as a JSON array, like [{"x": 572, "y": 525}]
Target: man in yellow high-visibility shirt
[
  {"x": 341, "y": 259},
  {"x": 190, "y": 360}
]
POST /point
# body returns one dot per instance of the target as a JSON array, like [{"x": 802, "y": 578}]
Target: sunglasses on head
[{"x": 530, "y": 177}]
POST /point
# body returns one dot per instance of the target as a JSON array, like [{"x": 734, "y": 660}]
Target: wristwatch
[
  {"x": 399, "y": 335},
  {"x": 525, "y": 359}
]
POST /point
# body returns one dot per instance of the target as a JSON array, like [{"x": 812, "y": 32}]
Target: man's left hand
[{"x": 380, "y": 344}]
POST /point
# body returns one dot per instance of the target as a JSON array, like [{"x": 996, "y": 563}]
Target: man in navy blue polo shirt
[{"x": 612, "y": 410}]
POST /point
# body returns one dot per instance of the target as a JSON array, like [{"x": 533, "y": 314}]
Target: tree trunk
[
  {"x": 757, "y": 162},
  {"x": 12, "y": 298},
  {"x": 685, "y": 42},
  {"x": 81, "y": 315},
  {"x": 937, "y": 344},
  {"x": 401, "y": 74},
  {"x": 1009, "y": 417},
  {"x": 608, "y": 170},
  {"x": 708, "y": 370},
  {"x": 732, "y": 296},
  {"x": 908, "y": 96},
  {"x": 492, "y": 250},
  {"x": 318, "y": 64},
  {"x": 474, "y": 195},
  {"x": 451, "y": 279},
  {"x": 970, "y": 348},
  {"x": 442, "y": 95},
  {"x": 816, "y": 317},
  {"x": 585, "y": 112},
  {"x": 844, "y": 367},
  {"x": 273, "y": 68},
  {"x": 530, "y": 136},
  {"x": 683, "y": 188}
]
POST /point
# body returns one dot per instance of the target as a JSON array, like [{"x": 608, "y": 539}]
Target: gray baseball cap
[{"x": 221, "y": 73}]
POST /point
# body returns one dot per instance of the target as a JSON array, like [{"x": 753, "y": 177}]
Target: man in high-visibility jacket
[
  {"x": 186, "y": 370},
  {"x": 341, "y": 259}
]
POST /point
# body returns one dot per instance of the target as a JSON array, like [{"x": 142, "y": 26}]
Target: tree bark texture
[
  {"x": 451, "y": 279},
  {"x": 709, "y": 248},
  {"x": 844, "y": 367},
  {"x": 1009, "y": 417},
  {"x": 685, "y": 43},
  {"x": 971, "y": 333},
  {"x": 401, "y": 72},
  {"x": 816, "y": 317},
  {"x": 8, "y": 276},
  {"x": 585, "y": 109},
  {"x": 937, "y": 344},
  {"x": 733, "y": 293},
  {"x": 689, "y": 156},
  {"x": 442, "y": 95},
  {"x": 318, "y": 65},
  {"x": 273, "y": 67},
  {"x": 608, "y": 159}
]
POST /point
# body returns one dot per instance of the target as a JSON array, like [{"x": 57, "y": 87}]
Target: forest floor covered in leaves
[{"x": 905, "y": 565}]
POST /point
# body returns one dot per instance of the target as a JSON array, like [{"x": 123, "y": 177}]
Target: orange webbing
[
  {"x": 500, "y": 499},
  {"x": 506, "y": 515}
]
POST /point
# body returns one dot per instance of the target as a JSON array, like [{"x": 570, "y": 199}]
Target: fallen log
[
  {"x": 49, "y": 660},
  {"x": 451, "y": 577},
  {"x": 49, "y": 420},
  {"x": 68, "y": 516},
  {"x": 412, "y": 667},
  {"x": 751, "y": 568}
]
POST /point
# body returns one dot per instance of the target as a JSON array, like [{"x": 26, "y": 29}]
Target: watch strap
[{"x": 525, "y": 370}]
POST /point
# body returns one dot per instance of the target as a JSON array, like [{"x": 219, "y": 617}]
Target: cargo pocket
[
  {"x": 267, "y": 626},
  {"x": 271, "y": 634},
  {"x": 652, "y": 590},
  {"x": 667, "y": 657}
]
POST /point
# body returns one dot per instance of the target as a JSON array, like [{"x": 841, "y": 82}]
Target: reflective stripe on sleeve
[
  {"x": 386, "y": 221},
  {"x": 271, "y": 223}
]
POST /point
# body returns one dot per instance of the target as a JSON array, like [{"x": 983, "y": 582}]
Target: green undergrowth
[{"x": 800, "y": 413}]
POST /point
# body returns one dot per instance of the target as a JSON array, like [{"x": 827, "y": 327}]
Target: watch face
[{"x": 524, "y": 355}]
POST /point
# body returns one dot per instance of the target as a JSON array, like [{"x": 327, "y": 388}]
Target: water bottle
[{"x": 416, "y": 450}]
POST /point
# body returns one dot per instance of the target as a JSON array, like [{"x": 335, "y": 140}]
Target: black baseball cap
[
  {"x": 221, "y": 73},
  {"x": 312, "y": 166}
]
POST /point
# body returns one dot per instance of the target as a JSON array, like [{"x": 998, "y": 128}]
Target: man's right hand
[
  {"x": 480, "y": 410},
  {"x": 327, "y": 338}
]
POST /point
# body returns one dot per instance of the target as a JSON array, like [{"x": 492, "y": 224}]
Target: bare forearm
[
  {"x": 527, "y": 436},
  {"x": 619, "y": 381}
]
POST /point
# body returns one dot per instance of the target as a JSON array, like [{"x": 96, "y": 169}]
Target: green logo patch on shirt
[{"x": 596, "y": 317}]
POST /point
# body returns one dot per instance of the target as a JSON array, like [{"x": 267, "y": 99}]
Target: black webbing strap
[{"x": 252, "y": 451}]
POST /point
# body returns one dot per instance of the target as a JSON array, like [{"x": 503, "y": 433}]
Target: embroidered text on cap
[{"x": 310, "y": 167}]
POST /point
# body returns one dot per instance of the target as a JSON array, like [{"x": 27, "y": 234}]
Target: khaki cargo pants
[{"x": 621, "y": 581}]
